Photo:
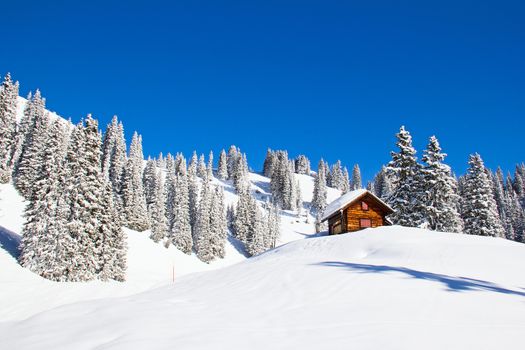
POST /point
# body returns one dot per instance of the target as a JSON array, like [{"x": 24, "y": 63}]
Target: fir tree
[
  {"x": 479, "y": 209},
  {"x": 346, "y": 181},
  {"x": 28, "y": 165},
  {"x": 8, "y": 103},
  {"x": 356, "y": 178},
  {"x": 405, "y": 198},
  {"x": 180, "y": 225},
  {"x": 201, "y": 167},
  {"x": 133, "y": 199},
  {"x": 319, "y": 196},
  {"x": 440, "y": 199},
  {"x": 157, "y": 210},
  {"x": 46, "y": 244},
  {"x": 222, "y": 170},
  {"x": 202, "y": 231}
]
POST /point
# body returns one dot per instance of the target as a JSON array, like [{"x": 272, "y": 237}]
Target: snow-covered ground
[{"x": 390, "y": 287}]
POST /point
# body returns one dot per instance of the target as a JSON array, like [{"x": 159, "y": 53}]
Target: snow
[{"x": 389, "y": 287}]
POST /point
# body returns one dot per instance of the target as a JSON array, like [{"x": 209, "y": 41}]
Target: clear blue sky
[{"x": 325, "y": 78}]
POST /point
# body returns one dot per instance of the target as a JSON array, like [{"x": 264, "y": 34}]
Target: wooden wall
[{"x": 352, "y": 214}]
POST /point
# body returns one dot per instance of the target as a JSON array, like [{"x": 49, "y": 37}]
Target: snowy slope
[
  {"x": 390, "y": 287},
  {"x": 149, "y": 264}
]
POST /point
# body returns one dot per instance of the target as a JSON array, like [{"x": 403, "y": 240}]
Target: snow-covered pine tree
[
  {"x": 46, "y": 244},
  {"x": 133, "y": 199},
  {"x": 108, "y": 145},
  {"x": 111, "y": 245},
  {"x": 193, "y": 190},
  {"x": 337, "y": 179},
  {"x": 161, "y": 161},
  {"x": 180, "y": 225},
  {"x": 28, "y": 165},
  {"x": 273, "y": 226},
  {"x": 149, "y": 183},
  {"x": 157, "y": 210},
  {"x": 209, "y": 167},
  {"x": 319, "y": 196},
  {"x": 269, "y": 162},
  {"x": 201, "y": 167},
  {"x": 242, "y": 220},
  {"x": 218, "y": 224},
  {"x": 346, "y": 181},
  {"x": 222, "y": 169},
  {"x": 232, "y": 160},
  {"x": 440, "y": 201},
  {"x": 383, "y": 186},
  {"x": 479, "y": 211},
  {"x": 240, "y": 174},
  {"x": 8, "y": 103},
  {"x": 202, "y": 231},
  {"x": 302, "y": 165},
  {"x": 257, "y": 231},
  {"x": 356, "y": 178},
  {"x": 406, "y": 197},
  {"x": 298, "y": 199}
]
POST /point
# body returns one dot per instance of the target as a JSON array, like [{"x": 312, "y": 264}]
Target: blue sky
[{"x": 332, "y": 79}]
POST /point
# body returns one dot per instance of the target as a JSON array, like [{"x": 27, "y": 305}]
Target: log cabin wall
[{"x": 354, "y": 213}]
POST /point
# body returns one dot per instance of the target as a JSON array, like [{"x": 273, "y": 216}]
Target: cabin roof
[{"x": 349, "y": 198}]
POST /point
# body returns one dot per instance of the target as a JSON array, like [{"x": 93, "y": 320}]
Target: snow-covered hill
[{"x": 390, "y": 287}]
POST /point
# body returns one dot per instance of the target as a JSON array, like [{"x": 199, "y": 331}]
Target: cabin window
[
  {"x": 364, "y": 223},
  {"x": 364, "y": 206},
  {"x": 337, "y": 228}
]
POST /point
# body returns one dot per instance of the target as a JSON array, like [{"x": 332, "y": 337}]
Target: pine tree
[
  {"x": 28, "y": 164},
  {"x": 193, "y": 190},
  {"x": 149, "y": 183},
  {"x": 242, "y": 220},
  {"x": 111, "y": 246},
  {"x": 157, "y": 210},
  {"x": 346, "y": 181},
  {"x": 479, "y": 209},
  {"x": 319, "y": 196},
  {"x": 232, "y": 160},
  {"x": 405, "y": 198},
  {"x": 180, "y": 225},
  {"x": 336, "y": 176},
  {"x": 356, "y": 178},
  {"x": 257, "y": 233},
  {"x": 133, "y": 199},
  {"x": 440, "y": 199},
  {"x": 302, "y": 165},
  {"x": 46, "y": 244},
  {"x": 8, "y": 103},
  {"x": 269, "y": 162},
  {"x": 202, "y": 232},
  {"x": 209, "y": 167},
  {"x": 222, "y": 170},
  {"x": 201, "y": 167},
  {"x": 218, "y": 224}
]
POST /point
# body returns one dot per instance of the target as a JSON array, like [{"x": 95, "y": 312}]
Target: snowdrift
[{"x": 390, "y": 287}]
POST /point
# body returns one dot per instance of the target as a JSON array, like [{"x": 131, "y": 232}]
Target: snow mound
[{"x": 389, "y": 287}]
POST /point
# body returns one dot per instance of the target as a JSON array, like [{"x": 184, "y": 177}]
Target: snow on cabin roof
[{"x": 346, "y": 199}]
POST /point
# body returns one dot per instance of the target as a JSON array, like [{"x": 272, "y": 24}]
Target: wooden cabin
[{"x": 356, "y": 210}]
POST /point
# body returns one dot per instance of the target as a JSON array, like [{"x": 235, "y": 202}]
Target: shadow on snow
[
  {"x": 453, "y": 283},
  {"x": 9, "y": 241}
]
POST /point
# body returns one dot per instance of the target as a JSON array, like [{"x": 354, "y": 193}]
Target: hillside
[{"x": 390, "y": 287}]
